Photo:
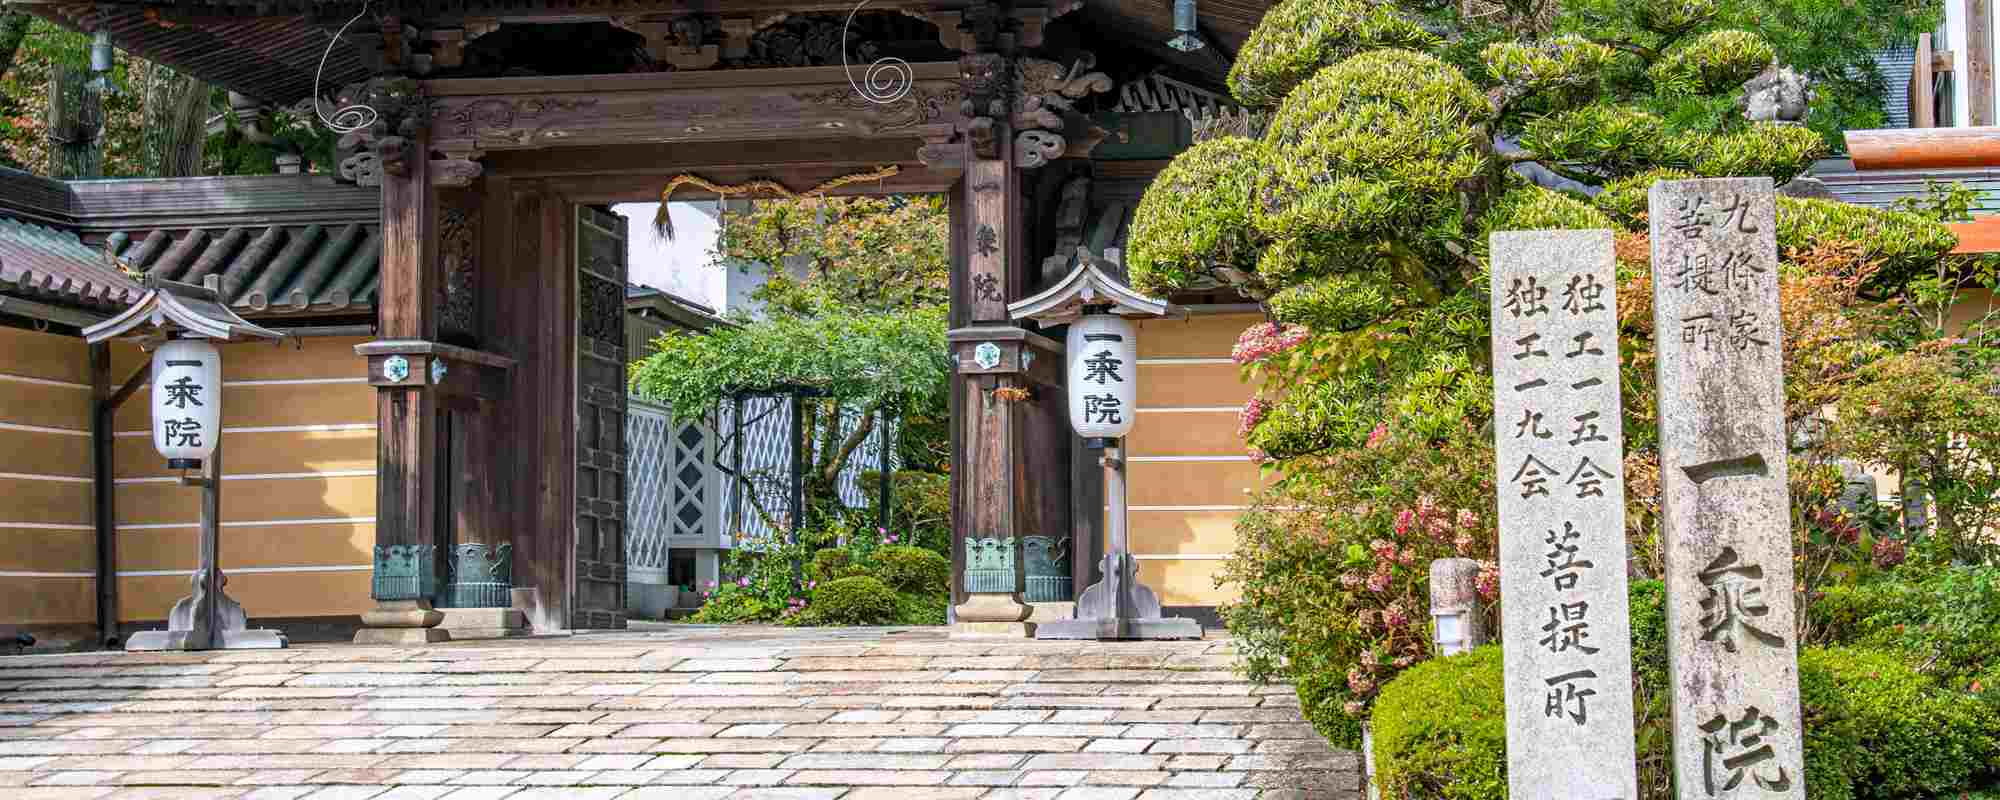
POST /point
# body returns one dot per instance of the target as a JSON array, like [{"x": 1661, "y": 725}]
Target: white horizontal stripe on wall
[
  {"x": 1182, "y": 459},
  {"x": 295, "y": 381},
  {"x": 1183, "y": 508},
  {"x": 47, "y": 526},
  {"x": 1190, "y": 410},
  {"x": 341, "y": 426},
  {"x": 1150, "y": 362},
  {"x": 262, "y": 476},
  {"x": 29, "y": 476},
  {"x": 6, "y": 378},
  {"x": 153, "y": 573},
  {"x": 1180, "y": 556},
  {"x": 9, "y": 426},
  {"x": 256, "y": 523}
]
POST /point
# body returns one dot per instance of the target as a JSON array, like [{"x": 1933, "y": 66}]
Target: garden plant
[{"x": 1387, "y": 141}]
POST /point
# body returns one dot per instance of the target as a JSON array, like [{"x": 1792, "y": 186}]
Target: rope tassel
[{"x": 663, "y": 222}]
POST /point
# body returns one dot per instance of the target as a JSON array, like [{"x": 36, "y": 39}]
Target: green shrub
[
  {"x": 859, "y": 600},
  {"x": 735, "y": 607},
  {"x": 920, "y": 609},
  {"x": 1875, "y": 728},
  {"x": 1201, "y": 219},
  {"x": 1298, "y": 37},
  {"x": 1441, "y": 729},
  {"x": 832, "y": 563},
  {"x": 914, "y": 570},
  {"x": 1946, "y": 620}
]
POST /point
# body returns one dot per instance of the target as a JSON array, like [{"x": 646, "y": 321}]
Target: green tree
[
  {"x": 1391, "y": 139},
  {"x": 861, "y": 254},
  {"x": 854, "y": 365}
]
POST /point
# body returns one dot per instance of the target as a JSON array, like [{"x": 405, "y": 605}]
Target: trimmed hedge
[
  {"x": 1876, "y": 728},
  {"x": 914, "y": 570},
  {"x": 1441, "y": 729},
  {"x": 859, "y": 600}
]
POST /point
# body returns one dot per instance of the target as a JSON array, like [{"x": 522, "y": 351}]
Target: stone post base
[
  {"x": 394, "y": 622},
  {"x": 992, "y": 615},
  {"x": 484, "y": 623}
]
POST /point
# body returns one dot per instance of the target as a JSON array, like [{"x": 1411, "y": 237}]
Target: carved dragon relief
[
  {"x": 387, "y": 144},
  {"x": 1048, "y": 91}
]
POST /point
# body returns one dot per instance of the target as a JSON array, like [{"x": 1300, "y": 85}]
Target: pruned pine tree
[{"x": 1392, "y": 138}]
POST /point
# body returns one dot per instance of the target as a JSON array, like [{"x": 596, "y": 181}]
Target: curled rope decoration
[
  {"x": 665, "y": 226},
  {"x": 887, "y": 80},
  {"x": 346, "y": 119}
]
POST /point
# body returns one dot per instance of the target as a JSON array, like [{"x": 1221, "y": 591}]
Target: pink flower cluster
[
  {"x": 1267, "y": 339},
  {"x": 1376, "y": 436},
  {"x": 1442, "y": 526},
  {"x": 1253, "y": 413},
  {"x": 1890, "y": 552},
  {"x": 1487, "y": 583}
]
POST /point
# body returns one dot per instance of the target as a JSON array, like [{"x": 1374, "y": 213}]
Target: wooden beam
[
  {"x": 1923, "y": 103},
  {"x": 495, "y": 114},
  {"x": 102, "y": 460},
  {"x": 406, "y": 415},
  {"x": 1978, "y": 16},
  {"x": 1924, "y": 148},
  {"x": 656, "y": 158}
]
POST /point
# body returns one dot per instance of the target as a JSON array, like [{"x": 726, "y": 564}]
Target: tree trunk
[
  {"x": 175, "y": 124},
  {"x": 75, "y": 123}
]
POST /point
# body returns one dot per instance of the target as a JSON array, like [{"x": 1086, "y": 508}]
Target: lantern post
[
  {"x": 1101, "y": 352},
  {"x": 179, "y": 324}
]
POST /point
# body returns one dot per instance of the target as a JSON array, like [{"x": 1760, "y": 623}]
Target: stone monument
[
  {"x": 1559, "y": 449},
  {"x": 1726, "y": 511}
]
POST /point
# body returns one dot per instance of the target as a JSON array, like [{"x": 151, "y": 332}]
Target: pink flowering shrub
[
  {"x": 1333, "y": 564},
  {"x": 1264, "y": 340}
]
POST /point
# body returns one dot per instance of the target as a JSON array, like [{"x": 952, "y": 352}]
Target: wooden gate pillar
[{"x": 433, "y": 392}]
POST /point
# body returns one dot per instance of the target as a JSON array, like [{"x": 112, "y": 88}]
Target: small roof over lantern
[
  {"x": 197, "y": 310},
  {"x": 1090, "y": 284}
]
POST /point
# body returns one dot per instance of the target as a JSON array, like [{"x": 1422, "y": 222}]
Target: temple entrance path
[{"x": 670, "y": 712}]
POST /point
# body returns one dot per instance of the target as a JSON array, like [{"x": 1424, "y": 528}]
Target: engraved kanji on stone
[
  {"x": 1586, "y": 430},
  {"x": 1588, "y": 479},
  {"x": 1735, "y": 597},
  {"x": 1583, "y": 295},
  {"x": 1566, "y": 699},
  {"x": 1532, "y": 474},
  {"x": 1743, "y": 331},
  {"x": 1689, "y": 217},
  {"x": 1567, "y": 628},
  {"x": 1697, "y": 272},
  {"x": 1583, "y": 346},
  {"x": 1528, "y": 347},
  {"x": 1525, "y": 298},
  {"x": 1563, "y": 563},
  {"x": 1737, "y": 213},
  {"x": 1740, "y": 271},
  {"x": 1531, "y": 425},
  {"x": 1734, "y": 749},
  {"x": 1699, "y": 328}
]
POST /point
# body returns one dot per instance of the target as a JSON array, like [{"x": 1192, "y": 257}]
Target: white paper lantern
[
  {"x": 1102, "y": 353},
  {"x": 187, "y": 401}
]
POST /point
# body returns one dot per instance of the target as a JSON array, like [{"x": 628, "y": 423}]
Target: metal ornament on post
[
  {"x": 1101, "y": 352},
  {"x": 186, "y": 372}
]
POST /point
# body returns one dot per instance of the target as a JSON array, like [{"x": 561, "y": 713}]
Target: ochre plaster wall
[
  {"x": 1188, "y": 471},
  {"x": 298, "y": 503}
]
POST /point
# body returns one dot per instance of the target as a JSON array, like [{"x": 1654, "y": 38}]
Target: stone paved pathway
[{"x": 672, "y": 712}]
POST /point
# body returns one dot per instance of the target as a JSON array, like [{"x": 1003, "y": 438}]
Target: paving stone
[
  {"x": 1098, "y": 793},
  {"x": 930, "y": 793},
  {"x": 678, "y": 793},
  {"x": 1096, "y": 761},
  {"x": 916, "y": 745},
  {"x": 986, "y": 761},
  {"x": 1122, "y": 746},
  {"x": 1125, "y": 778},
  {"x": 757, "y": 777},
  {"x": 868, "y": 777},
  {"x": 864, "y": 761},
  {"x": 692, "y": 777}
]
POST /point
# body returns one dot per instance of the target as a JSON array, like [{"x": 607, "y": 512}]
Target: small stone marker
[
  {"x": 1559, "y": 442},
  {"x": 1732, "y": 640}
]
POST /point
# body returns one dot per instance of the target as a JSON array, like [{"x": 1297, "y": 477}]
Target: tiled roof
[
  {"x": 1881, "y": 188},
  {"x": 43, "y": 263},
  {"x": 273, "y": 269},
  {"x": 278, "y": 244}
]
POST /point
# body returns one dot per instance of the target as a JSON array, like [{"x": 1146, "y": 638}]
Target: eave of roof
[{"x": 279, "y": 244}]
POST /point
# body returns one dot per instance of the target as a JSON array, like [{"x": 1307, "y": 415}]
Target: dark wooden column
[{"x": 407, "y": 563}]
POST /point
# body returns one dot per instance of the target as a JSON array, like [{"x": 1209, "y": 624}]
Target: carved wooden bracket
[
  {"x": 386, "y": 145},
  {"x": 454, "y": 172}
]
